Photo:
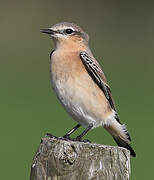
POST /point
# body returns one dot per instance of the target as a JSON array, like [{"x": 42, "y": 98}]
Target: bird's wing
[
  {"x": 96, "y": 73},
  {"x": 51, "y": 53}
]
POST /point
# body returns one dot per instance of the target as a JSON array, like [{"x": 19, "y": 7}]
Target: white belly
[{"x": 72, "y": 103}]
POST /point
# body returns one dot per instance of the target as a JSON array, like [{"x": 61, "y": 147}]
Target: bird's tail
[{"x": 120, "y": 135}]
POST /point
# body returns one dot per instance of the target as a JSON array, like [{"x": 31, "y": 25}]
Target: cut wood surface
[{"x": 58, "y": 159}]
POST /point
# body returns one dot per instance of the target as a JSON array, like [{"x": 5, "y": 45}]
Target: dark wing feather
[
  {"x": 98, "y": 76},
  {"x": 51, "y": 53}
]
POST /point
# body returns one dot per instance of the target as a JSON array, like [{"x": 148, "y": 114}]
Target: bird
[{"x": 81, "y": 86}]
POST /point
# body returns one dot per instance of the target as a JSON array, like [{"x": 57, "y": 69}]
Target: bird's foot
[
  {"x": 61, "y": 138},
  {"x": 50, "y": 135},
  {"x": 80, "y": 140},
  {"x": 67, "y": 137}
]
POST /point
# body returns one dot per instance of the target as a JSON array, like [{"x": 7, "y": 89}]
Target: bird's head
[{"x": 66, "y": 33}]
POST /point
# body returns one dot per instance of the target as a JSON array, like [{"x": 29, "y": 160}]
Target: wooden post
[{"x": 58, "y": 159}]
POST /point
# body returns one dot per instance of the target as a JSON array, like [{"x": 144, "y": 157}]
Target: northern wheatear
[{"x": 80, "y": 84}]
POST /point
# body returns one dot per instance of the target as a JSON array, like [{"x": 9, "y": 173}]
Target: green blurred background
[{"x": 121, "y": 37}]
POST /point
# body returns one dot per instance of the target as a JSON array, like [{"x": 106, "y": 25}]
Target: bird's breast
[
  {"x": 65, "y": 71},
  {"x": 76, "y": 90}
]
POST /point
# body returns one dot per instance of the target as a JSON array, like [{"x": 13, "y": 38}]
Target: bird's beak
[{"x": 48, "y": 31}]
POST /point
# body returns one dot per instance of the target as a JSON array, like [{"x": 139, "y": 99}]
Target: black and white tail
[
  {"x": 123, "y": 143},
  {"x": 120, "y": 135}
]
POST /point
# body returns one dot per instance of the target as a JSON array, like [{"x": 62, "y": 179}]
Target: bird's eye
[{"x": 68, "y": 31}]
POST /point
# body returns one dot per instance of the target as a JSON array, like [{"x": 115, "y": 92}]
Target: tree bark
[{"x": 58, "y": 159}]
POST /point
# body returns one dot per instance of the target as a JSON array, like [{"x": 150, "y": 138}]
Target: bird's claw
[
  {"x": 80, "y": 140},
  {"x": 49, "y": 135}
]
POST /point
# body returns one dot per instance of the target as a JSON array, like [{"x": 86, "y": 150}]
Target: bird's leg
[
  {"x": 79, "y": 138},
  {"x": 67, "y": 135}
]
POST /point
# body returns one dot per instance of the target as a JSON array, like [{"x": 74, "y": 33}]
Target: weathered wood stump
[{"x": 58, "y": 159}]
